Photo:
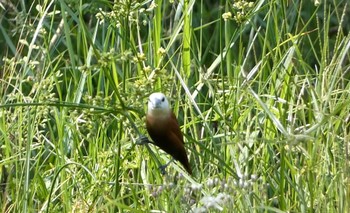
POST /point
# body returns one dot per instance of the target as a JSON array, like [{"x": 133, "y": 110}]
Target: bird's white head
[{"x": 158, "y": 105}]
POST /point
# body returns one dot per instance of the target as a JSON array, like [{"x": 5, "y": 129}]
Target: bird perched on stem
[{"x": 164, "y": 129}]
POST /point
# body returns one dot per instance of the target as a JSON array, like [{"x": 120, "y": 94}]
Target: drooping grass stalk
[
  {"x": 157, "y": 31},
  {"x": 187, "y": 29}
]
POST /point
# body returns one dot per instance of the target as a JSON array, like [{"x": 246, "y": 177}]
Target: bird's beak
[{"x": 156, "y": 103}]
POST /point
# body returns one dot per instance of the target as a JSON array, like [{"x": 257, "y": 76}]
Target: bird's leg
[
  {"x": 163, "y": 167},
  {"x": 142, "y": 140}
]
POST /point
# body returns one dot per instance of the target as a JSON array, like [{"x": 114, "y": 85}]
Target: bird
[{"x": 164, "y": 129}]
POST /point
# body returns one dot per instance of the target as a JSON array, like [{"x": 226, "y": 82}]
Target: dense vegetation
[{"x": 261, "y": 90}]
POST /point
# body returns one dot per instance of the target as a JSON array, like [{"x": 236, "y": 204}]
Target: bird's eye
[{"x": 163, "y": 99}]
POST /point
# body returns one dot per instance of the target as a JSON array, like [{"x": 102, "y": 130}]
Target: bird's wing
[{"x": 176, "y": 128}]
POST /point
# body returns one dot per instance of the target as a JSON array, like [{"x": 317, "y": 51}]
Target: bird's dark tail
[
  {"x": 184, "y": 161},
  {"x": 188, "y": 168}
]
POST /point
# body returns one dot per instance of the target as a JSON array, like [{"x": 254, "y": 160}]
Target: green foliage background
[{"x": 261, "y": 90}]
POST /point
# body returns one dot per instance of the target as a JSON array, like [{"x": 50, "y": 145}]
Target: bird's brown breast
[{"x": 166, "y": 134}]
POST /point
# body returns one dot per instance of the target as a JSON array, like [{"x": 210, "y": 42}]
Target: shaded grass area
[{"x": 260, "y": 90}]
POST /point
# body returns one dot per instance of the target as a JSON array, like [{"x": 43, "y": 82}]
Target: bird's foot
[
  {"x": 142, "y": 140},
  {"x": 163, "y": 167}
]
